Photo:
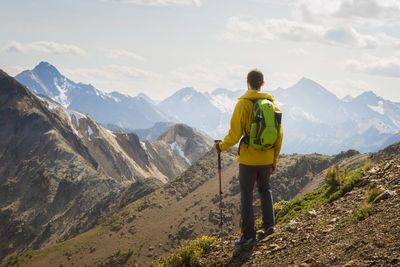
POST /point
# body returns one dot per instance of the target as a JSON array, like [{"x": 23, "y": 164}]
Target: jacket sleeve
[{"x": 236, "y": 130}]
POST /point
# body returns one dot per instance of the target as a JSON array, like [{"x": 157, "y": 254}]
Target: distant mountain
[
  {"x": 187, "y": 141},
  {"x": 209, "y": 112},
  {"x": 147, "y": 134},
  {"x": 347, "y": 98},
  {"x": 147, "y": 98},
  {"x": 121, "y": 110},
  {"x": 193, "y": 108},
  {"x": 61, "y": 172},
  {"x": 315, "y": 120}
]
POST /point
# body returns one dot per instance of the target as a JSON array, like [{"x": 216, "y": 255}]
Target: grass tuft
[
  {"x": 363, "y": 212},
  {"x": 119, "y": 258},
  {"x": 188, "y": 254},
  {"x": 372, "y": 193}
]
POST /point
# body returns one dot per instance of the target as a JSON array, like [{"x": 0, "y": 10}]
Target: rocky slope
[
  {"x": 358, "y": 229},
  {"x": 183, "y": 209},
  {"x": 61, "y": 172}
]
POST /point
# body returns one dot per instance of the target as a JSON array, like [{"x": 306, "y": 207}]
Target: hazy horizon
[{"x": 160, "y": 46}]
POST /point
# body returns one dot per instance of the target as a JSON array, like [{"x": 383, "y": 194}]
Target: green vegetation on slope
[
  {"x": 188, "y": 254},
  {"x": 336, "y": 185}
]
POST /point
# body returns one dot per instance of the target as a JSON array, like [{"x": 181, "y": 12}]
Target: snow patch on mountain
[
  {"x": 223, "y": 102},
  {"x": 298, "y": 114},
  {"x": 62, "y": 98},
  {"x": 111, "y": 133},
  {"x": 379, "y": 108},
  {"x": 77, "y": 115},
  {"x": 144, "y": 146},
  {"x": 51, "y": 105},
  {"x": 175, "y": 146},
  {"x": 90, "y": 131}
]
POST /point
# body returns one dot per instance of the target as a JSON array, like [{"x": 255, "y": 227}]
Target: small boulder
[{"x": 385, "y": 195}]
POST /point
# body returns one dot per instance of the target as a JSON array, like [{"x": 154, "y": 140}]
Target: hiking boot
[
  {"x": 245, "y": 241},
  {"x": 266, "y": 232},
  {"x": 269, "y": 231}
]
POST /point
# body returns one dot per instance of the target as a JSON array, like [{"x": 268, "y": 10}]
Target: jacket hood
[{"x": 254, "y": 94}]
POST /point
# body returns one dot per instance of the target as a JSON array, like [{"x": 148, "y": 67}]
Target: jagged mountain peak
[
  {"x": 176, "y": 131},
  {"x": 368, "y": 97},
  {"x": 347, "y": 98},
  {"x": 185, "y": 94},
  {"x": 186, "y": 141},
  {"x": 146, "y": 97},
  {"x": 46, "y": 67},
  {"x": 308, "y": 86}
]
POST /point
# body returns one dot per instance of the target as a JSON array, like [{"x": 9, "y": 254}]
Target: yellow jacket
[{"x": 241, "y": 119}]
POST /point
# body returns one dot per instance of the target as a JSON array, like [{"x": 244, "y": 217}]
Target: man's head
[{"x": 255, "y": 79}]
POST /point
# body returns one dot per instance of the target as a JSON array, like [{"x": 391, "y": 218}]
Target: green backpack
[{"x": 266, "y": 126}]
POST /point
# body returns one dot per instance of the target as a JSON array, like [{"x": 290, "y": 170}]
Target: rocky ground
[{"x": 332, "y": 235}]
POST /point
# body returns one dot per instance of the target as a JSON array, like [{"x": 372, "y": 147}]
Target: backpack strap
[{"x": 246, "y": 136}]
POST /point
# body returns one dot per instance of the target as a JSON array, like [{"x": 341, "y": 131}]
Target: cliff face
[{"x": 61, "y": 172}]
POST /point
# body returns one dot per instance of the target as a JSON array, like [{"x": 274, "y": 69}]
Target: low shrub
[
  {"x": 372, "y": 193},
  {"x": 119, "y": 258},
  {"x": 362, "y": 212},
  {"x": 188, "y": 254}
]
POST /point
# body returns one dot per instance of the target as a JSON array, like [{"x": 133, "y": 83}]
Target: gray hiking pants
[{"x": 248, "y": 175}]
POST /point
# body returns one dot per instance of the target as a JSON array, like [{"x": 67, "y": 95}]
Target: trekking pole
[{"x": 220, "y": 194}]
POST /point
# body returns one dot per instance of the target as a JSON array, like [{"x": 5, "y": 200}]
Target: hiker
[{"x": 255, "y": 165}]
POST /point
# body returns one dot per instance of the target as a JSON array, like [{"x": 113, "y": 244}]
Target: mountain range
[
  {"x": 121, "y": 110},
  {"x": 61, "y": 172},
  {"x": 314, "y": 119}
]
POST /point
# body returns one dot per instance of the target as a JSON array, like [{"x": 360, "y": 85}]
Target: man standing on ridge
[{"x": 255, "y": 165}]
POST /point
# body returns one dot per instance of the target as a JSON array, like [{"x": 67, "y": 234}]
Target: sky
[{"x": 160, "y": 46}]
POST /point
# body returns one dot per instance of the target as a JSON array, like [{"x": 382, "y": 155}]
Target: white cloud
[
  {"x": 124, "y": 54},
  {"x": 344, "y": 87},
  {"x": 360, "y": 12},
  {"x": 208, "y": 75},
  {"x": 14, "y": 70},
  {"x": 388, "y": 67},
  {"x": 369, "y": 9},
  {"x": 122, "y": 78},
  {"x": 254, "y": 29},
  {"x": 280, "y": 79},
  {"x": 299, "y": 52},
  {"x": 111, "y": 72},
  {"x": 160, "y": 2},
  {"x": 335, "y": 22},
  {"x": 45, "y": 47}
]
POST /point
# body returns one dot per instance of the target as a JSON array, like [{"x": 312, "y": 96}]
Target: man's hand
[
  {"x": 215, "y": 147},
  {"x": 273, "y": 169}
]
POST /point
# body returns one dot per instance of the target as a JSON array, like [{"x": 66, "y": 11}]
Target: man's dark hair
[{"x": 255, "y": 78}]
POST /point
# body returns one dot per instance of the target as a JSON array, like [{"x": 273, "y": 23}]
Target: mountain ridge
[
  {"x": 314, "y": 119},
  {"x": 61, "y": 172}
]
